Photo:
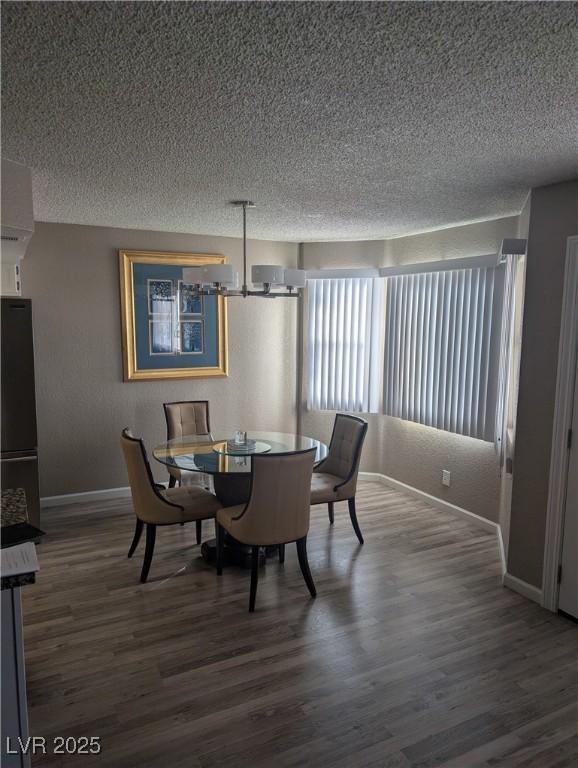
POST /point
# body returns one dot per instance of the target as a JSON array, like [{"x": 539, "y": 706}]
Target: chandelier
[{"x": 222, "y": 280}]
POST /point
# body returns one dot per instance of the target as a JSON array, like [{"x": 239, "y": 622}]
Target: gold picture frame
[{"x": 136, "y": 331}]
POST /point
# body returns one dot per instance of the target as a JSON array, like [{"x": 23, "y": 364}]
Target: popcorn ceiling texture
[{"x": 341, "y": 120}]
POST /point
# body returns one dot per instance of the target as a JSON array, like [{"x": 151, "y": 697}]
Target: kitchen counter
[
  {"x": 13, "y": 507},
  {"x": 14, "y": 530},
  {"x": 13, "y": 511}
]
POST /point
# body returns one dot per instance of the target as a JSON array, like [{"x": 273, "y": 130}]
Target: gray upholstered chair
[
  {"x": 335, "y": 478},
  {"x": 155, "y": 505},
  {"x": 187, "y": 417},
  {"x": 277, "y": 512}
]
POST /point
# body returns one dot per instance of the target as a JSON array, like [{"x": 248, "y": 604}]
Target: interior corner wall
[
  {"x": 412, "y": 453},
  {"x": 71, "y": 274},
  {"x": 553, "y": 218},
  {"x": 506, "y": 481}
]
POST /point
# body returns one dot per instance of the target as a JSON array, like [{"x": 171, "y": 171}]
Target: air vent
[{"x": 10, "y": 279}]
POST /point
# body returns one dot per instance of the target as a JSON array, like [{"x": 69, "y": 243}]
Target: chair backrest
[
  {"x": 278, "y": 509},
  {"x": 188, "y": 417},
  {"x": 345, "y": 448},
  {"x": 147, "y": 502}
]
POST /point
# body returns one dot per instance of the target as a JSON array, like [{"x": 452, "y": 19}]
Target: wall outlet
[{"x": 446, "y": 478}]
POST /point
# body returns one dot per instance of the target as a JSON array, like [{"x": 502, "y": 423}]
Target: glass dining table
[{"x": 230, "y": 465}]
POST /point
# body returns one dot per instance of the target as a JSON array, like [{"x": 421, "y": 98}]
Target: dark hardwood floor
[{"x": 411, "y": 655}]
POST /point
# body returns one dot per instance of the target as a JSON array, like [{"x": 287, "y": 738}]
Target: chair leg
[
  {"x": 254, "y": 577},
  {"x": 172, "y": 484},
  {"x": 330, "y": 510},
  {"x": 180, "y": 483},
  {"x": 353, "y": 516},
  {"x": 220, "y": 536},
  {"x": 136, "y": 538},
  {"x": 281, "y": 553},
  {"x": 149, "y": 549},
  {"x": 199, "y": 530},
  {"x": 304, "y": 563}
]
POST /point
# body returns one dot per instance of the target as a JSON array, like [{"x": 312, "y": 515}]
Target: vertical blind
[
  {"x": 506, "y": 376},
  {"x": 343, "y": 338},
  {"x": 442, "y": 349}
]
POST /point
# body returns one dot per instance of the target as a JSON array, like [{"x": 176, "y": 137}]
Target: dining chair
[
  {"x": 335, "y": 478},
  {"x": 276, "y": 514},
  {"x": 154, "y": 504},
  {"x": 187, "y": 417}
]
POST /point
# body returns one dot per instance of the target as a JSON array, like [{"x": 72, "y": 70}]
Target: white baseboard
[
  {"x": 75, "y": 498},
  {"x": 512, "y": 582},
  {"x": 445, "y": 506},
  {"x": 503, "y": 562},
  {"x": 522, "y": 588}
]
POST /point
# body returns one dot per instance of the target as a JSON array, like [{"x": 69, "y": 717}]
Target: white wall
[
  {"x": 506, "y": 483},
  {"x": 71, "y": 274},
  {"x": 553, "y": 219}
]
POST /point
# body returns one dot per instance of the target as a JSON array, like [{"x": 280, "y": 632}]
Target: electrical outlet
[{"x": 446, "y": 478}]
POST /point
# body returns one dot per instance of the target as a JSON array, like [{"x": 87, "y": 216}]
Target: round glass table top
[{"x": 200, "y": 453}]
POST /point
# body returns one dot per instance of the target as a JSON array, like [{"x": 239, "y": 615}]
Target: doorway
[
  {"x": 568, "y": 595},
  {"x": 560, "y": 582}
]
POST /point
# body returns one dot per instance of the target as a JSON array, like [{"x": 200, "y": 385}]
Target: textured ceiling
[{"x": 341, "y": 120}]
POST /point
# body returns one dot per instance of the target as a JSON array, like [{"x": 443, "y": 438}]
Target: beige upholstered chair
[
  {"x": 276, "y": 513},
  {"x": 187, "y": 417},
  {"x": 154, "y": 505},
  {"x": 335, "y": 478}
]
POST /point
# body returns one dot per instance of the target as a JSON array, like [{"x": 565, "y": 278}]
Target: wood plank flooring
[{"x": 413, "y": 655}]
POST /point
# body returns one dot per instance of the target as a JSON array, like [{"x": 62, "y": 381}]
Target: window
[
  {"x": 430, "y": 347},
  {"x": 442, "y": 349},
  {"x": 343, "y": 344}
]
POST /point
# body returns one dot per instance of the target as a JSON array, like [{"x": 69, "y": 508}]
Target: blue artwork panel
[
  {"x": 161, "y": 337},
  {"x": 161, "y": 297},
  {"x": 192, "y": 337},
  {"x": 166, "y": 334},
  {"x": 189, "y": 303}
]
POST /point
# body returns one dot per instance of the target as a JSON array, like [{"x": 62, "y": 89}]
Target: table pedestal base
[
  {"x": 234, "y": 553},
  {"x": 232, "y": 490}
]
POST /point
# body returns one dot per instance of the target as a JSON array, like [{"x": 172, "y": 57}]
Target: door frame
[{"x": 563, "y": 407}]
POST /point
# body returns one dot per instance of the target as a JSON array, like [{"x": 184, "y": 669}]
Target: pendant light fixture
[{"x": 222, "y": 280}]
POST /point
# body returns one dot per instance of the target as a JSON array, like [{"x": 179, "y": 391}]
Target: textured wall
[
  {"x": 553, "y": 218},
  {"x": 410, "y": 452},
  {"x": 71, "y": 274}
]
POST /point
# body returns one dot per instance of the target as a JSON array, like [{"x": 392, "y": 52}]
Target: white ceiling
[{"x": 341, "y": 120}]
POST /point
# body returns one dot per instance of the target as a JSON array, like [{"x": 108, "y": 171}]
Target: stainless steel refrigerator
[{"x": 19, "y": 458}]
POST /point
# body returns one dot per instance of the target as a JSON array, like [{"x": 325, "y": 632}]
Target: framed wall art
[{"x": 167, "y": 331}]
